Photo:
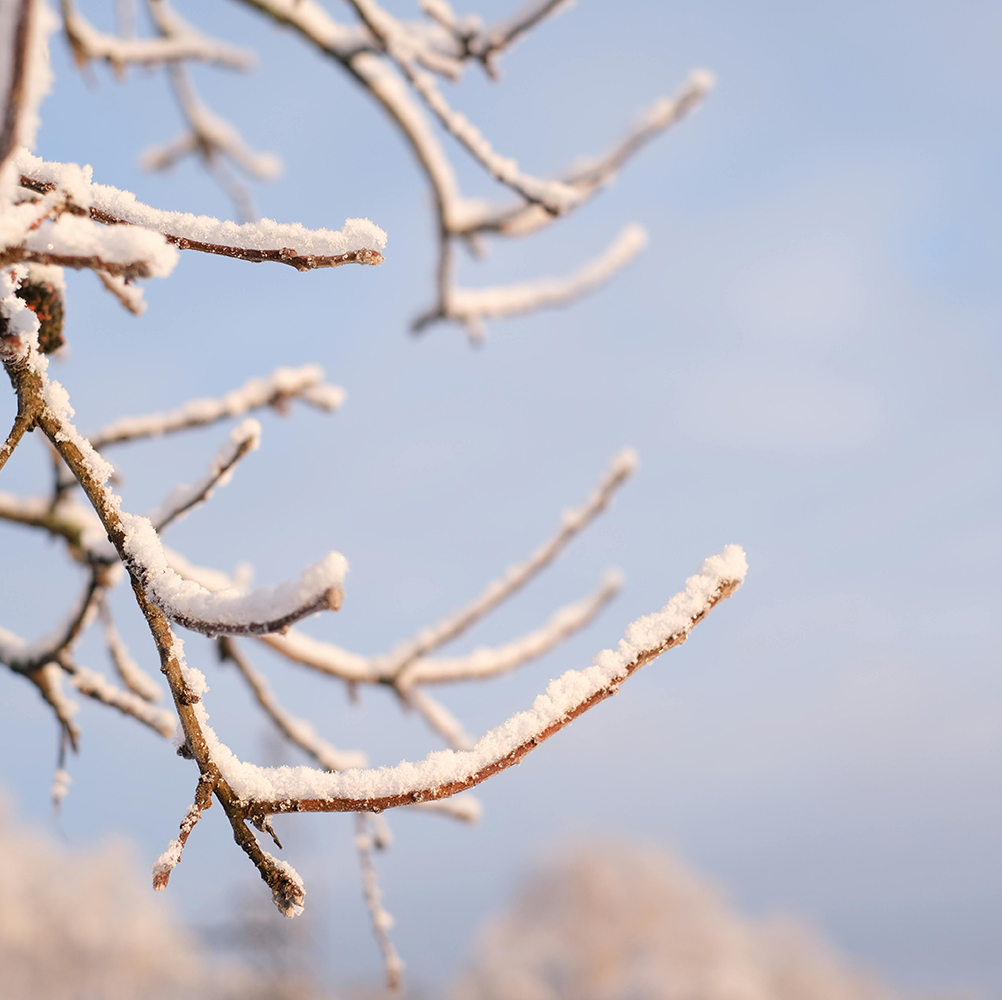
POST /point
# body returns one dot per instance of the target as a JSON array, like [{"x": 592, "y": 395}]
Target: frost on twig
[
  {"x": 276, "y": 390},
  {"x": 372, "y": 50},
  {"x": 408, "y": 665},
  {"x": 473, "y": 306},
  {"x": 184, "y": 42},
  {"x": 94, "y": 685},
  {"x": 381, "y": 920},
  {"x": 244, "y": 438},
  {"x": 267, "y": 791},
  {"x": 131, "y": 674},
  {"x": 127, "y": 226},
  {"x": 297, "y": 731},
  {"x": 170, "y": 859}
]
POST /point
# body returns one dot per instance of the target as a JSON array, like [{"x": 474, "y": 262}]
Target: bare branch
[
  {"x": 22, "y": 424},
  {"x": 490, "y": 43}
]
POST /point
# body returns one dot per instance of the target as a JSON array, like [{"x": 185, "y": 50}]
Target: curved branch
[
  {"x": 295, "y": 730},
  {"x": 265, "y": 791}
]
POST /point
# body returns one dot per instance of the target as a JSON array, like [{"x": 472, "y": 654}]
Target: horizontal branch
[
  {"x": 357, "y": 242},
  {"x": 182, "y": 44},
  {"x": 472, "y": 306},
  {"x": 267, "y": 791},
  {"x": 275, "y": 390}
]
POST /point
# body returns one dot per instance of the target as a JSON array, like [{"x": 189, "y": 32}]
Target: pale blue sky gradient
[{"x": 807, "y": 360}]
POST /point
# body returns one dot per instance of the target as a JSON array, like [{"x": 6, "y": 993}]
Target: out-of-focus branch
[
  {"x": 381, "y": 920},
  {"x": 438, "y": 717},
  {"x": 132, "y": 675},
  {"x": 96, "y": 686},
  {"x": 183, "y": 499},
  {"x": 276, "y": 390},
  {"x": 472, "y": 306},
  {"x": 295, "y": 730},
  {"x": 515, "y": 577},
  {"x": 14, "y": 59},
  {"x": 183, "y": 43},
  {"x": 487, "y": 662}
]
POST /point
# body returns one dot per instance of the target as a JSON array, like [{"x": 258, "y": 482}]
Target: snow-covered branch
[
  {"x": 244, "y": 438},
  {"x": 268, "y": 791},
  {"x": 182, "y": 43},
  {"x": 407, "y": 663},
  {"x": 275, "y": 390},
  {"x": 297, "y": 731},
  {"x": 381, "y": 920},
  {"x": 472, "y": 306},
  {"x": 125, "y": 219}
]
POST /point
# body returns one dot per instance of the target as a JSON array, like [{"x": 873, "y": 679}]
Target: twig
[
  {"x": 183, "y": 499},
  {"x": 276, "y": 391},
  {"x": 447, "y": 772},
  {"x": 381, "y": 920},
  {"x": 295, "y": 730},
  {"x": 171, "y": 858}
]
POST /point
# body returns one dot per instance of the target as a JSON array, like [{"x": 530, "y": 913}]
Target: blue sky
[{"x": 806, "y": 358}]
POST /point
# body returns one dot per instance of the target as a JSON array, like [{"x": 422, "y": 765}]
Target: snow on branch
[
  {"x": 486, "y": 662},
  {"x": 407, "y": 661},
  {"x": 171, "y": 858},
  {"x": 515, "y": 577},
  {"x": 226, "y": 612},
  {"x": 96, "y": 686},
  {"x": 244, "y": 438},
  {"x": 381, "y": 920},
  {"x": 268, "y": 791},
  {"x": 358, "y": 242},
  {"x": 131, "y": 674},
  {"x": 275, "y": 390},
  {"x": 472, "y": 306},
  {"x": 591, "y": 174},
  {"x": 182, "y": 42},
  {"x": 297, "y": 731}
]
